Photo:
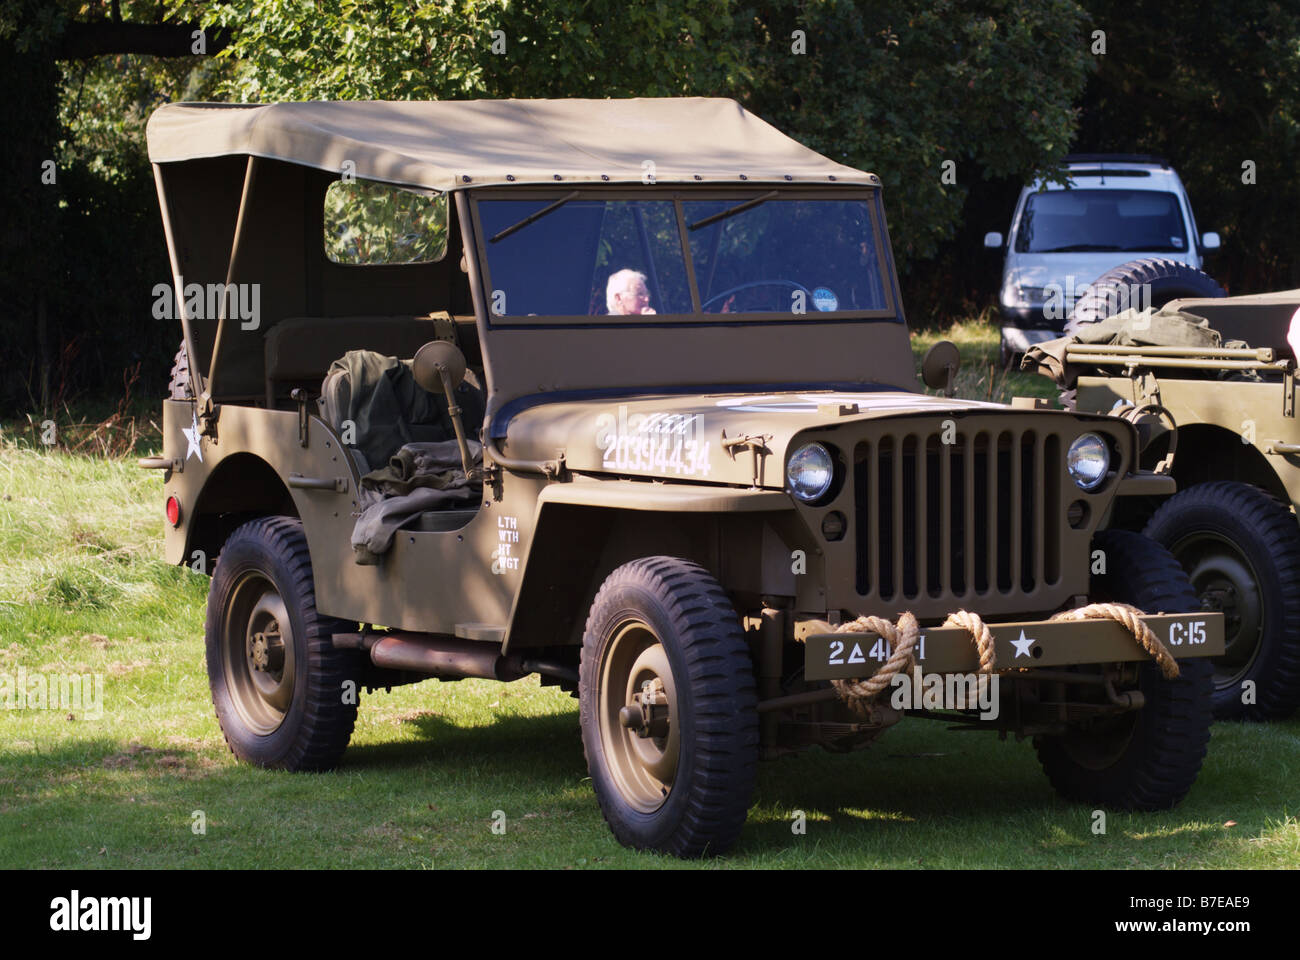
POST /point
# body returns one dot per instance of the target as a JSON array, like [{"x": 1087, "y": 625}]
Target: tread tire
[
  {"x": 1266, "y": 533},
  {"x": 178, "y": 384},
  {"x": 318, "y": 724},
  {"x": 716, "y": 708},
  {"x": 1169, "y": 280},
  {"x": 1169, "y": 735}
]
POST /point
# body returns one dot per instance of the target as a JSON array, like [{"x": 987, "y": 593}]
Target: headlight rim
[
  {"x": 1107, "y": 460},
  {"x": 827, "y": 489}
]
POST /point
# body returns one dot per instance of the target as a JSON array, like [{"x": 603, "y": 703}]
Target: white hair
[{"x": 619, "y": 282}]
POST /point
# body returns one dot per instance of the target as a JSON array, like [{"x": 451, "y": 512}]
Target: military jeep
[
  {"x": 621, "y": 394},
  {"x": 1218, "y": 417}
]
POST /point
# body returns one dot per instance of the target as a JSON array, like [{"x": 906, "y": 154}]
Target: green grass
[
  {"x": 980, "y": 376},
  {"x": 84, "y": 589}
]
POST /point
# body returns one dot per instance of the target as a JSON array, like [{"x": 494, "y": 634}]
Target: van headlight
[
  {"x": 810, "y": 471},
  {"x": 1088, "y": 460}
]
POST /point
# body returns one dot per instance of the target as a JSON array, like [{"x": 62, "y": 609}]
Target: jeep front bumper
[{"x": 1024, "y": 644}]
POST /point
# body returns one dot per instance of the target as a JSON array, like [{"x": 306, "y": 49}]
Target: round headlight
[
  {"x": 1088, "y": 460},
  {"x": 810, "y": 471}
]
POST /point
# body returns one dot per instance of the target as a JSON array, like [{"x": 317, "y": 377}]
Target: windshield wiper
[
  {"x": 533, "y": 217},
  {"x": 738, "y": 208},
  {"x": 1081, "y": 248}
]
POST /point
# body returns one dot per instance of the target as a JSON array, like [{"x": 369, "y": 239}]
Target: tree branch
[{"x": 94, "y": 38}]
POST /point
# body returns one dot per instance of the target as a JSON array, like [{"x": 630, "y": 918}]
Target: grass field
[{"x": 84, "y": 590}]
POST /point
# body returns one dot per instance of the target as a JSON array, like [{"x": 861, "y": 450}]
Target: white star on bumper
[{"x": 1022, "y": 645}]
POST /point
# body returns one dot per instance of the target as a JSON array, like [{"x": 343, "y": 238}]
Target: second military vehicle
[{"x": 1217, "y": 414}]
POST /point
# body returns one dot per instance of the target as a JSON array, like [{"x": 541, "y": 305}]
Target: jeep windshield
[
  {"x": 1124, "y": 221},
  {"x": 596, "y": 258}
]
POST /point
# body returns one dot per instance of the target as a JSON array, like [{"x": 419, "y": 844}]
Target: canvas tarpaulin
[
  {"x": 1165, "y": 327},
  {"x": 453, "y": 144}
]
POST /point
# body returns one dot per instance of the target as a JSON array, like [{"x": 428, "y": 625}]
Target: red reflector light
[{"x": 173, "y": 511}]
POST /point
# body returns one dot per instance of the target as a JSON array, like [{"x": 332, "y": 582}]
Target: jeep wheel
[
  {"x": 669, "y": 709},
  {"x": 1241, "y": 550},
  {"x": 1145, "y": 759},
  {"x": 1109, "y": 294},
  {"x": 278, "y": 683}
]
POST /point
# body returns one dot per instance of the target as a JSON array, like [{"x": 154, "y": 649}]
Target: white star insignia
[
  {"x": 1022, "y": 645},
  {"x": 192, "y": 438}
]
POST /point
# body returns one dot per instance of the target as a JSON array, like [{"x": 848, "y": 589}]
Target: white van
[{"x": 1117, "y": 208}]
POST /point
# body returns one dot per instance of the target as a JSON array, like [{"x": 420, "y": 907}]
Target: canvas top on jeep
[{"x": 453, "y": 144}]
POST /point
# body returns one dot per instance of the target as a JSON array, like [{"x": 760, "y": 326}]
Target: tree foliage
[
  {"x": 954, "y": 103},
  {"x": 81, "y": 246},
  {"x": 898, "y": 86},
  {"x": 1216, "y": 90}
]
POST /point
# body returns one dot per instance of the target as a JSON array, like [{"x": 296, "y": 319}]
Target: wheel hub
[
  {"x": 258, "y": 654},
  {"x": 638, "y": 708},
  {"x": 267, "y": 650},
  {"x": 1226, "y": 583},
  {"x": 648, "y": 714}
]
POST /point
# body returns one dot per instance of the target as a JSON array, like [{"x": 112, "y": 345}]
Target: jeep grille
[{"x": 990, "y": 517}]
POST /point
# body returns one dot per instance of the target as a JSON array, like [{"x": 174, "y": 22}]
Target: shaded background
[{"x": 1002, "y": 89}]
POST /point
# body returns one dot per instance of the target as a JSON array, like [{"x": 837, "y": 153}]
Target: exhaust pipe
[
  {"x": 444, "y": 657},
  {"x": 450, "y": 658}
]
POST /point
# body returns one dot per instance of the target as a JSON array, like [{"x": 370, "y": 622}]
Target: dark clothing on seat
[{"x": 389, "y": 409}]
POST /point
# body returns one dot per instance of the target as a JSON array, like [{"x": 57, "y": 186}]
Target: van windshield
[
  {"x": 756, "y": 256},
  {"x": 1069, "y": 221}
]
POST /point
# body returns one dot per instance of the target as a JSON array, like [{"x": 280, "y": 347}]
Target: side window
[{"x": 373, "y": 223}]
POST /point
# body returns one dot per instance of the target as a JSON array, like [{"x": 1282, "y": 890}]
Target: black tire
[
  {"x": 1147, "y": 759},
  {"x": 178, "y": 386},
  {"x": 1111, "y": 293},
  {"x": 684, "y": 789},
  {"x": 299, "y": 717},
  {"x": 1241, "y": 550}
]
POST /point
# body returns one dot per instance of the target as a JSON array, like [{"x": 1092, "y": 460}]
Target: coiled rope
[
  {"x": 902, "y": 638},
  {"x": 1130, "y": 617}
]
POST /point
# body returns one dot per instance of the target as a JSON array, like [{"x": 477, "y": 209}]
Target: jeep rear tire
[
  {"x": 1241, "y": 550},
  {"x": 668, "y": 709},
  {"x": 1108, "y": 294},
  {"x": 1149, "y": 758},
  {"x": 285, "y": 697}
]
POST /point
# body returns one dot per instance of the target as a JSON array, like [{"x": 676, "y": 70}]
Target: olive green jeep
[
  {"x": 1216, "y": 412},
  {"x": 620, "y": 393}
]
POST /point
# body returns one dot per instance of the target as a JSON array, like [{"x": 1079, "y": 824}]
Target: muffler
[{"x": 447, "y": 658}]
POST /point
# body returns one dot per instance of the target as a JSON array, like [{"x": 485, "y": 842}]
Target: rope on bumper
[
  {"x": 979, "y": 631},
  {"x": 902, "y": 638},
  {"x": 974, "y": 624},
  {"x": 1130, "y": 618}
]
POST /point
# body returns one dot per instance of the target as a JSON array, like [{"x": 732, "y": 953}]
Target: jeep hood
[{"x": 701, "y": 438}]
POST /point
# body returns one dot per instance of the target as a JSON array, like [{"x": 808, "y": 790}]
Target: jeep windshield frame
[{"x": 673, "y": 255}]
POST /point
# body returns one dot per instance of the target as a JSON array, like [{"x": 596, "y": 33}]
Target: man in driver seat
[{"x": 627, "y": 293}]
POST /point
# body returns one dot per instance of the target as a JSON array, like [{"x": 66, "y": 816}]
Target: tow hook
[{"x": 1129, "y": 699}]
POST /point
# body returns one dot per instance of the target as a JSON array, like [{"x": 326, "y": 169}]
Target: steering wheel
[{"x": 754, "y": 283}]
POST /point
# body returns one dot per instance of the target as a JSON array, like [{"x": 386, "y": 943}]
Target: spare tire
[
  {"x": 178, "y": 387},
  {"x": 1112, "y": 293}
]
